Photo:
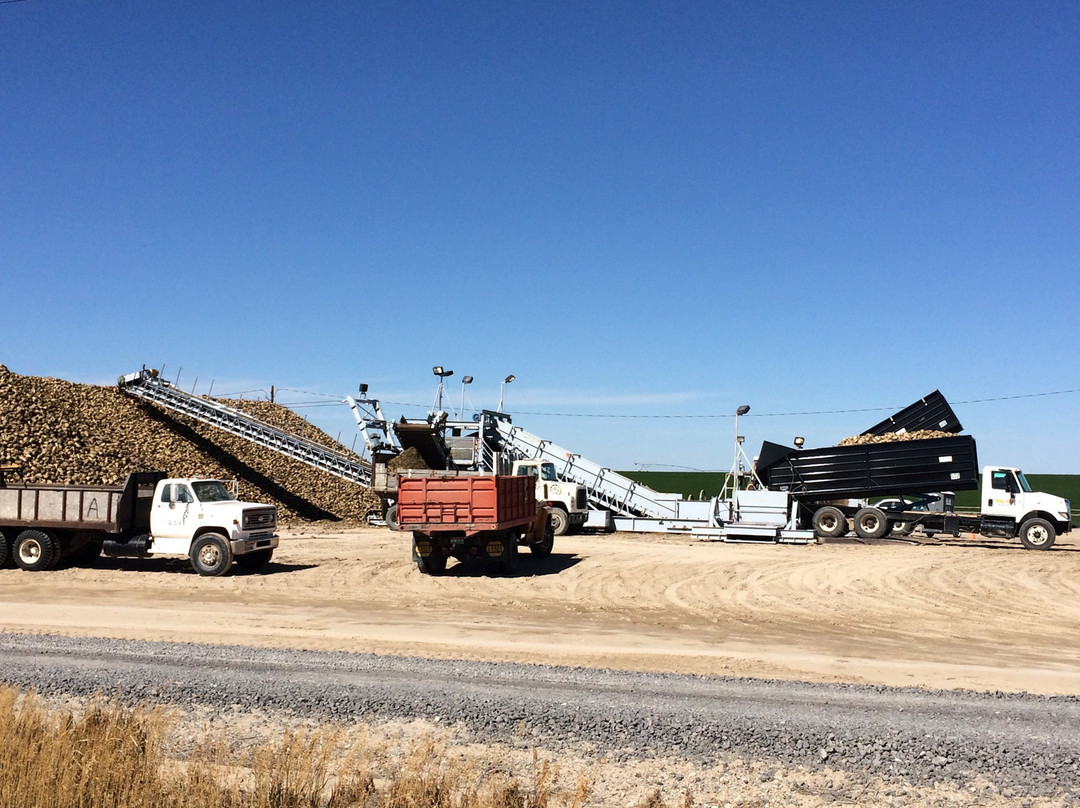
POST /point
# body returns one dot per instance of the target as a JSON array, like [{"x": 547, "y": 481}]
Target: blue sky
[{"x": 650, "y": 213}]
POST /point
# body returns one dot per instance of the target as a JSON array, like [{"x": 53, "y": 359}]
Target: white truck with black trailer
[
  {"x": 832, "y": 485},
  {"x": 151, "y": 515}
]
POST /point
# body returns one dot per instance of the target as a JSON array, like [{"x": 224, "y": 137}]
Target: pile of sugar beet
[{"x": 80, "y": 434}]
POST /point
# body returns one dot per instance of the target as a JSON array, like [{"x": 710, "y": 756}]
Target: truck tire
[
  {"x": 508, "y": 562},
  {"x": 211, "y": 555},
  {"x": 434, "y": 563},
  {"x": 871, "y": 523},
  {"x": 543, "y": 548},
  {"x": 5, "y": 550},
  {"x": 901, "y": 528},
  {"x": 256, "y": 560},
  {"x": 35, "y": 550},
  {"x": 391, "y": 517},
  {"x": 830, "y": 523},
  {"x": 1037, "y": 534},
  {"x": 560, "y": 521}
]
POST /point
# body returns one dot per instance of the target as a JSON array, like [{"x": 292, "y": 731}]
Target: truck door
[
  {"x": 173, "y": 512},
  {"x": 1000, "y": 491}
]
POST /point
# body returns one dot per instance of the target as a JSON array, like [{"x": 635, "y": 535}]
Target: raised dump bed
[{"x": 873, "y": 469}]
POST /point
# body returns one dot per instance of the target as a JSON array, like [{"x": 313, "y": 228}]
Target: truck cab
[
  {"x": 568, "y": 501},
  {"x": 202, "y": 519},
  {"x": 1007, "y": 499}
]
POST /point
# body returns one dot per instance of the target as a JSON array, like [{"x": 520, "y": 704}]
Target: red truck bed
[{"x": 469, "y": 503}]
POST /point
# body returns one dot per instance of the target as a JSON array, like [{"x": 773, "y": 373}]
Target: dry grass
[
  {"x": 111, "y": 757},
  {"x": 101, "y": 755}
]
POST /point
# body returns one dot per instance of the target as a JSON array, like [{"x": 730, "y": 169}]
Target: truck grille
[
  {"x": 260, "y": 519},
  {"x": 582, "y": 499}
]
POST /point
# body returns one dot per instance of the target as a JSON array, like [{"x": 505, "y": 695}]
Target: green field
[{"x": 707, "y": 484}]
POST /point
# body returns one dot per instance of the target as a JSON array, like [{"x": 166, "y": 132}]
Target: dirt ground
[{"x": 958, "y": 614}]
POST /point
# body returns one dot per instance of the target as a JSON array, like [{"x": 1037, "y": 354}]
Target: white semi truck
[
  {"x": 831, "y": 486},
  {"x": 151, "y": 515}
]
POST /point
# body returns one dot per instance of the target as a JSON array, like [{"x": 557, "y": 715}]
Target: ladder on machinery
[{"x": 147, "y": 385}]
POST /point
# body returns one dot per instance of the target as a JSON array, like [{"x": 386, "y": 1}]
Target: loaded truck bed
[{"x": 873, "y": 469}]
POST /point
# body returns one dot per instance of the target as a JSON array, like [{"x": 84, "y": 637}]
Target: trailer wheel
[
  {"x": 391, "y": 517},
  {"x": 901, "y": 528},
  {"x": 560, "y": 521},
  {"x": 871, "y": 523},
  {"x": 4, "y": 550},
  {"x": 256, "y": 560},
  {"x": 1037, "y": 534},
  {"x": 829, "y": 522},
  {"x": 211, "y": 555},
  {"x": 35, "y": 550}
]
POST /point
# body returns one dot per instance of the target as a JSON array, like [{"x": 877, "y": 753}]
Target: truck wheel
[
  {"x": 434, "y": 564},
  {"x": 543, "y": 548},
  {"x": 508, "y": 563},
  {"x": 560, "y": 522},
  {"x": 1037, "y": 534},
  {"x": 256, "y": 560},
  {"x": 870, "y": 523},
  {"x": 391, "y": 517},
  {"x": 35, "y": 550},
  {"x": 4, "y": 550},
  {"x": 211, "y": 555},
  {"x": 901, "y": 528},
  {"x": 830, "y": 523}
]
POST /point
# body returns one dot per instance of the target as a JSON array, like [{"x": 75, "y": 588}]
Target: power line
[{"x": 708, "y": 416}]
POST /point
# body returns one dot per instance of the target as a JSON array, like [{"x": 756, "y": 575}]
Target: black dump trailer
[
  {"x": 832, "y": 483},
  {"x": 872, "y": 469}
]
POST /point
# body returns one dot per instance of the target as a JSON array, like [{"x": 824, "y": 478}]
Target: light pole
[
  {"x": 745, "y": 408},
  {"x": 464, "y": 381},
  {"x": 442, "y": 374},
  {"x": 502, "y": 386}
]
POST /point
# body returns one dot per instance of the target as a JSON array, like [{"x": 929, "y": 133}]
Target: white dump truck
[{"x": 151, "y": 515}]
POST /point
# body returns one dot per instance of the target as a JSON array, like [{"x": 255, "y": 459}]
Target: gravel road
[{"x": 1021, "y": 743}]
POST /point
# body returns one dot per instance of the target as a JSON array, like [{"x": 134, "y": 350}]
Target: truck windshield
[
  {"x": 547, "y": 472},
  {"x": 1024, "y": 484},
  {"x": 212, "y": 491}
]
